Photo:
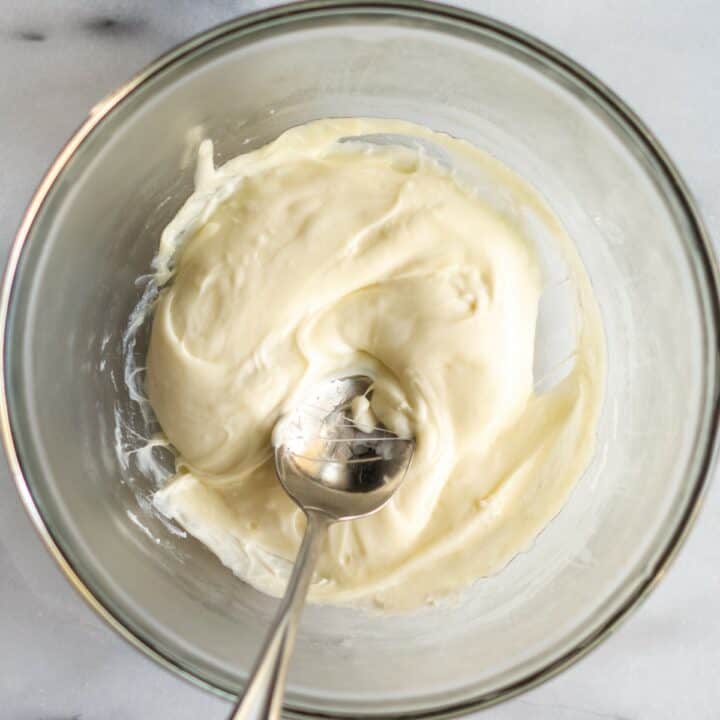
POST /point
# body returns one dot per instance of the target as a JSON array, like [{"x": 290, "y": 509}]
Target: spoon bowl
[{"x": 326, "y": 462}]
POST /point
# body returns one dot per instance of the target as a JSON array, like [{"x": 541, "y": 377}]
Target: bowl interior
[{"x": 98, "y": 229}]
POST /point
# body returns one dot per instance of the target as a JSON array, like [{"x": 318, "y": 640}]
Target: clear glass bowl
[{"x": 93, "y": 227}]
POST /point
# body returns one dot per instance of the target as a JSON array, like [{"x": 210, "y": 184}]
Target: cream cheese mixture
[{"x": 311, "y": 258}]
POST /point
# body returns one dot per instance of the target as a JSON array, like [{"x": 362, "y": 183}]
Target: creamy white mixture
[{"x": 309, "y": 258}]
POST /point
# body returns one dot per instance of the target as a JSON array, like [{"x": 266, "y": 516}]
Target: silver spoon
[{"x": 333, "y": 471}]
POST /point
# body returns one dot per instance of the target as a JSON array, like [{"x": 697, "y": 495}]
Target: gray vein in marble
[
  {"x": 30, "y": 35},
  {"x": 115, "y": 27}
]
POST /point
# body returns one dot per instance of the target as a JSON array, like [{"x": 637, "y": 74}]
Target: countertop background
[{"x": 58, "y": 661}]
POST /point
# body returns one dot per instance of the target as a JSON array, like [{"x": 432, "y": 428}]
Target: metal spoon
[{"x": 333, "y": 471}]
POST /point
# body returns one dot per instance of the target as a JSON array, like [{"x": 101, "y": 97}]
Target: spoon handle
[{"x": 264, "y": 693}]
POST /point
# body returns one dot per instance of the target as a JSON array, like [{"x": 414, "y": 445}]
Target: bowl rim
[{"x": 433, "y": 11}]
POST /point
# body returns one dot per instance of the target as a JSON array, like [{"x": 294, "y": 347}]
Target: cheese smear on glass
[{"x": 311, "y": 258}]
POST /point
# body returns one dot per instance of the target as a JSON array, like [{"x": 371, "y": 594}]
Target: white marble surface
[{"x": 57, "y": 660}]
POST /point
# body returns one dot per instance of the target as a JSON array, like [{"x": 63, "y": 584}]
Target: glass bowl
[{"x": 94, "y": 224}]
